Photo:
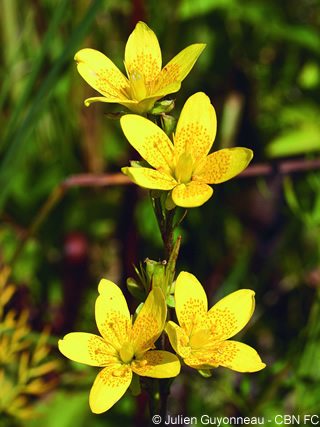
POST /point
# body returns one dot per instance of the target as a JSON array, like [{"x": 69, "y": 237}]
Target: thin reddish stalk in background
[{"x": 106, "y": 180}]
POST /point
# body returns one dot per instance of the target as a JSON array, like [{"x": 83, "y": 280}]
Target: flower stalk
[
  {"x": 178, "y": 169},
  {"x": 165, "y": 219}
]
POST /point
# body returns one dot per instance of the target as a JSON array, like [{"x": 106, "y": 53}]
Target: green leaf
[
  {"x": 295, "y": 142},
  {"x": 309, "y": 77},
  {"x": 18, "y": 131}
]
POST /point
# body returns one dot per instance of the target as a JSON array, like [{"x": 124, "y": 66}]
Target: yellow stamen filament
[{"x": 122, "y": 334}]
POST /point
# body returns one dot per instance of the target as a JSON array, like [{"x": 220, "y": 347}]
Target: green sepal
[
  {"x": 136, "y": 289},
  {"x": 169, "y": 203},
  {"x": 161, "y": 107},
  {"x": 142, "y": 280},
  {"x": 171, "y": 268},
  {"x": 139, "y": 164},
  {"x": 135, "y": 385},
  {"x": 156, "y": 273},
  {"x": 169, "y": 124},
  {"x": 173, "y": 257},
  {"x": 159, "y": 275},
  {"x": 171, "y": 301},
  {"x": 138, "y": 309},
  {"x": 116, "y": 116},
  {"x": 156, "y": 194},
  {"x": 205, "y": 373},
  {"x": 172, "y": 288}
]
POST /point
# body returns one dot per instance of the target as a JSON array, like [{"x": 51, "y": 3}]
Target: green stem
[
  {"x": 168, "y": 235},
  {"x": 159, "y": 391},
  {"x": 153, "y": 390},
  {"x": 165, "y": 221},
  {"x": 164, "y": 391}
]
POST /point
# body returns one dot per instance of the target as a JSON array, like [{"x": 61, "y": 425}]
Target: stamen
[
  {"x": 118, "y": 372},
  {"x": 120, "y": 329},
  {"x": 121, "y": 92},
  {"x": 137, "y": 84}
]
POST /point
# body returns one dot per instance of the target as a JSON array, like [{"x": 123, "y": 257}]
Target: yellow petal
[
  {"x": 171, "y": 88},
  {"x": 86, "y": 348},
  {"x": 231, "y": 313},
  {"x": 143, "y": 52},
  {"x": 239, "y": 357},
  {"x": 178, "y": 339},
  {"x": 178, "y": 68},
  {"x": 150, "y": 322},
  {"x": 157, "y": 364},
  {"x": 197, "y": 362},
  {"x": 149, "y": 140},
  {"x": 112, "y": 313},
  {"x": 149, "y": 178},
  {"x": 223, "y": 165},
  {"x": 136, "y": 107},
  {"x": 191, "y": 195},
  {"x": 101, "y": 73},
  {"x": 191, "y": 301},
  {"x": 109, "y": 386},
  {"x": 197, "y": 126},
  {"x": 127, "y": 103}
]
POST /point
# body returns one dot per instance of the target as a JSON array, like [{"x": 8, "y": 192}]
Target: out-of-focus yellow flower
[
  {"x": 124, "y": 348},
  {"x": 146, "y": 82},
  {"x": 184, "y": 168},
  {"x": 202, "y": 339}
]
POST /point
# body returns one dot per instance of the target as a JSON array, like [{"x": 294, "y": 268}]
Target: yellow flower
[
  {"x": 202, "y": 337},
  {"x": 146, "y": 82},
  {"x": 124, "y": 348},
  {"x": 185, "y": 167}
]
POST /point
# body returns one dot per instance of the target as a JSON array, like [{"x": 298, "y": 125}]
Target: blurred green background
[{"x": 259, "y": 231}]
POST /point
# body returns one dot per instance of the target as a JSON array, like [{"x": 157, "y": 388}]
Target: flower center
[
  {"x": 138, "y": 85},
  {"x": 184, "y": 168},
  {"x": 126, "y": 352},
  {"x": 199, "y": 339}
]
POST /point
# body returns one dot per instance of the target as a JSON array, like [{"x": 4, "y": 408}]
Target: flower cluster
[
  {"x": 181, "y": 168},
  {"x": 125, "y": 349}
]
